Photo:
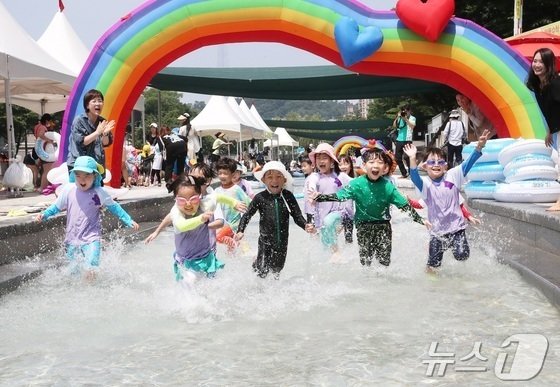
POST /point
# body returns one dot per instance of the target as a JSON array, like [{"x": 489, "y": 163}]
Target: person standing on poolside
[
  {"x": 544, "y": 81},
  {"x": 405, "y": 123},
  {"x": 90, "y": 132}
]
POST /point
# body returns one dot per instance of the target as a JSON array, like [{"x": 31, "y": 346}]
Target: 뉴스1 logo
[{"x": 524, "y": 364}]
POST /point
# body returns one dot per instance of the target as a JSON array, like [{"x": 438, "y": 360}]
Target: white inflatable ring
[
  {"x": 480, "y": 190},
  {"x": 535, "y": 172},
  {"x": 48, "y": 151},
  {"x": 486, "y": 171},
  {"x": 523, "y": 147},
  {"x": 529, "y": 160},
  {"x": 490, "y": 151},
  {"x": 536, "y": 191}
]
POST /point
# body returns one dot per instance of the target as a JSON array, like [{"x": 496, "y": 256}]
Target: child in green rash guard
[{"x": 373, "y": 194}]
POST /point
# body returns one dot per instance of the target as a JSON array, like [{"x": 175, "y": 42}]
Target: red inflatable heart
[{"x": 428, "y": 18}]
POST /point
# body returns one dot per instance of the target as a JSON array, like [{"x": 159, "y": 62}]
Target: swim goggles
[
  {"x": 181, "y": 201},
  {"x": 439, "y": 162}
]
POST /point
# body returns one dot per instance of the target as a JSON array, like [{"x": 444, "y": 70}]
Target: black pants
[
  {"x": 454, "y": 153},
  {"x": 458, "y": 243},
  {"x": 270, "y": 256},
  {"x": 400, "y": 156},
  {"x": 375, "y": 242},
  {"x": 348, "y": 225},
  {"x": 170, "y": 163}
]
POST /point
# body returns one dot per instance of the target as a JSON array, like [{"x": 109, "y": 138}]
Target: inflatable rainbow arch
[{"x": 465, "y": 56}]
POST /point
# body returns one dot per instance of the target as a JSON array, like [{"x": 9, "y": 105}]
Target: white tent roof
[
  {"x": 284, "y": 139},
  {"x": 61, "y": 41},
  {"x": 42, "y": 96},
  {"x": 23, "y": 61},
  {"x": 21, "y": 57},
  {"x": 259, "y": 120},
  {"x": 260, "y": 131},
  {"x": 218, "y": 116}
]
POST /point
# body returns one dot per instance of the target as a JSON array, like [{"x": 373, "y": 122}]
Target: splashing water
[{"x": 321, "y": 323}]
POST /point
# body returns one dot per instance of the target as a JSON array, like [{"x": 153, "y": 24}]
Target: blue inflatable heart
[{"x": 353, "y": 44}]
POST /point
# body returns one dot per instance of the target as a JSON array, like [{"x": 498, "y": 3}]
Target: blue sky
[{"x": 91, "y": 19}]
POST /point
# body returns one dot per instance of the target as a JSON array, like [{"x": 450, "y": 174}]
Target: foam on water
[{"x": 322, "y": 323}]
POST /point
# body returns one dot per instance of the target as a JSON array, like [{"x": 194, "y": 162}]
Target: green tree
[{"x": 497, "y": 15}]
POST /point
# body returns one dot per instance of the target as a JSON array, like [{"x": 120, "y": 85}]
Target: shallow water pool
[{"x": 321, "y": 323}]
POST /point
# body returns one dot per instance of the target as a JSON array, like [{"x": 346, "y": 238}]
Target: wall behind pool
[{"x": 23, "y": 240}]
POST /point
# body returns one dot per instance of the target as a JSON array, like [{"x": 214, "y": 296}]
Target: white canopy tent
[
  {"x": 262, "y": 131},
  {"x": 23, "y": 61},
  {"x": 61, "y": 41},
  {"x": 219, "y": 116},
  {"x": 283, "y": 139}
]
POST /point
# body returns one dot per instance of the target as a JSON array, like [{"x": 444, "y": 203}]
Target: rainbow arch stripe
[{"x": 465, "y": 57}]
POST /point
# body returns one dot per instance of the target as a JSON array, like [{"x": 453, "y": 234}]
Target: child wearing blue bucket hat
[{"x": 83, "y": 202}]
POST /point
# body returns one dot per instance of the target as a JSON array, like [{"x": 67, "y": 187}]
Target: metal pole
[
  {"x": 517, "y": 17},
  {"x": 9, "y": 119}
]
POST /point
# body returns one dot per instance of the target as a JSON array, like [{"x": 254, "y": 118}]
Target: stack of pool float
[
  {"x": 530, "y": 173},
  {"x": 520, "y": 171},
  {"x": 487, "y": 171}
]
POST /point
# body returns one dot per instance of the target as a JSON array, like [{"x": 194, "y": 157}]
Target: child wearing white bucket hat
[
  {"x": 83, "y": 202},
  {"x": 275, "y": 206}
]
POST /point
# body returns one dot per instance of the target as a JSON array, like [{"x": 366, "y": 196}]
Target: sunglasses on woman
[
  {"x": 181, "y": 201},
  {"x": 439, "y": 162}
]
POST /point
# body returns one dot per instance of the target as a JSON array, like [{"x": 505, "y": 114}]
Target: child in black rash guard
[{"x": 275, "y": 205}]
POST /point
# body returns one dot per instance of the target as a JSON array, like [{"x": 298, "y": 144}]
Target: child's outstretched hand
[
  {"x": 135, "y": 226},
  {"x": 237, "y": 237},
  {"x": 482, "y": 140},
  {"x": 39, "y": 218},
  {"x": 151, "y": 237},
  {"x": 312, "y": 195},
  {"x": 207, "y": 216},
  {"x": 474, "y": 221},
  {"x": 427, "y": 224},
  {"x": 410, "y": 150},
  {"x": 240, "y": 207}
]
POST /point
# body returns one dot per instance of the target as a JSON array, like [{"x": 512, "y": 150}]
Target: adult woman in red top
[{"x": 544, "y": 81}]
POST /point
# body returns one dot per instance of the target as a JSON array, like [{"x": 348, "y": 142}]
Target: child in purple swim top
[
  {"x": 83, "y": 202},
  {"x": 440, "y": 191},
  {"x": 327, "y": 180}
]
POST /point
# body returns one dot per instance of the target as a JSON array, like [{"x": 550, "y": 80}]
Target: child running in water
[
  {"x": 307, "y": 168},
  {"x": 441, "y": 192},
  {"x": 208, "y": 202},
  {"x": 194, "y": 247},
  {"x": 226, "y": 168},
  {"x": 373, "y": 194},
  {"x": 347, "y": 166},
  {"x": 244, "y": 184},
  {"x": 328, "y": 180},
  {"x": 83, "y": 201},
  {"x": 275, "y": 206}
]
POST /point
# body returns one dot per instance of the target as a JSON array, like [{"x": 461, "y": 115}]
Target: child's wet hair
[
  {"x": 205, "y": 170},
  {"x": 225, "y": 163},
  {"x": 438, "y": 152},
  {"x": 346, "y": 157},
  {"x": 186, "y": 181},
  {"x": 377, "y": 154}
]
